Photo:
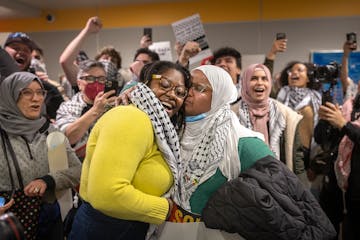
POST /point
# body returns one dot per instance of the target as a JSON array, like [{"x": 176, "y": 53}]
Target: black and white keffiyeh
[
  {"x": 276, "y": 124},
  {"x": 211, "y": 143},
  {"x": 166, "y": 136},
  {"x": 203, "y": 150},
  {"x": 296, "y": 98}
]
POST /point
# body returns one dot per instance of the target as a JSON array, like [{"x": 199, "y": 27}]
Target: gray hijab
[{"x": 11, "y": 118}]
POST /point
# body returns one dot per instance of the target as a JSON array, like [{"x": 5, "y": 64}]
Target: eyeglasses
[
  {"x": 299, "y": 70},
  {"x": 167, "y": 85},
  {"x": 29, "y": 93},
  {"x": 200, "y": 87},
  {"x": 92, "y": 79}
]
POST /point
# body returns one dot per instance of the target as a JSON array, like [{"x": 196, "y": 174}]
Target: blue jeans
[{"x": 90, "y": 223}]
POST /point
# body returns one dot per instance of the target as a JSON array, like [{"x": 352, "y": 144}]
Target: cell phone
[
  {"x": 2, "y": 201},
  {"x": 351, "y": 38},
  {"x": 111, "y": 85},
  {"x": 148, "y": 32},
  {"x": 280, "y": 36}
]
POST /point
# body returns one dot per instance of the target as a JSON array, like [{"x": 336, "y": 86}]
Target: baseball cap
[{"x": 21, "y": 38}]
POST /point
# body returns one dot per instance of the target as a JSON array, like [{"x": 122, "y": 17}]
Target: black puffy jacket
[{"x": 267, "y": 201}]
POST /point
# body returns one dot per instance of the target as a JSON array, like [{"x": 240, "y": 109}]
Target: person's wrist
[
  {"x": 271, "y": 56},
  {"x": 183, "y": 61},
  {"x": 342, "y": 124},
  {"x": 95, "y": 112}
]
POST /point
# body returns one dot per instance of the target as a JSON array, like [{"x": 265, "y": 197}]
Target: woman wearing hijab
[
  {"x": 24, "y": 155},
  {"x": 214, "y": 146},
  {"x": 229, "y": 175},
  {"x": 132, "y": 159},
  {"x": 277, "y": 122}
]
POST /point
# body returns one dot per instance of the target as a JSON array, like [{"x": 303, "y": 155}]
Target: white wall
[{"x": 248, "y": 37}]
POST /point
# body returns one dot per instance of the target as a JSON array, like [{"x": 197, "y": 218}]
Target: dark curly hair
[
  {"x": 310, "y": 68},
  {"x": 159, "y": 67},
  {"x": 111, "y": 51}
]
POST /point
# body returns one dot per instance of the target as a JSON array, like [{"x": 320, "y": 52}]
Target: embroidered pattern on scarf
[
  {"x": 276, "y": 124},
  {"x": 297, "y": 98},
  {"x": 206, "y": 156}
]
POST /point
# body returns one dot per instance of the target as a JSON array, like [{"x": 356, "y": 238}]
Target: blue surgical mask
[{"x": 195, "y": 118}]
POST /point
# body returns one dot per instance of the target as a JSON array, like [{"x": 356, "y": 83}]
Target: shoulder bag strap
[
  {"x": 5, "y": 139},
  {"x": 7, "y": 159}
]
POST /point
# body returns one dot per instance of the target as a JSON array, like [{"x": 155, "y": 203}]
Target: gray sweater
[{"x": 33, "y": 161}]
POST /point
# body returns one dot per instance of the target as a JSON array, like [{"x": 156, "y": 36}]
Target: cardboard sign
[
  {"x": 163, "y": 49},
  {"x": 191, "y": 29}
]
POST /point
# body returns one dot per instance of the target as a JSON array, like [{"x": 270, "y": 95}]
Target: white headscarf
[{"x": 211, "y": 143}]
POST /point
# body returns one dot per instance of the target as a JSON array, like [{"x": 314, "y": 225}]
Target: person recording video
[
  {"x": 342, "y": 126},
  {"x": 338, "y": 133}
]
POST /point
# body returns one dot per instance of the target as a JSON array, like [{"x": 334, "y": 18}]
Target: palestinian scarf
[
  {"x": 343, "y": 161},
  {"x": 166, "y": 136},
  {"x": 296, "y": 98},
  {"x": 211, "y": 142},
  {"x": 276, "y": 124},
  {"x": 11, "y": 118},
  {"x": 258, "y": 111}
]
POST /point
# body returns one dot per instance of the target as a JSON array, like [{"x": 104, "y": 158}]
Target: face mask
[{"x": 92, "y": 89}]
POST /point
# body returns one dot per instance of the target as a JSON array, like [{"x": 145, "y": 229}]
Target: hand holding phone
[
  {"x": 351, "y": 39},
  {"x": 111, "y": 85},
  {"x": 279, "y": 45},
  {"x": 280, "y": 36},
  {"x": 148, "y": 32},
  {"x": 4, "y": 206}
]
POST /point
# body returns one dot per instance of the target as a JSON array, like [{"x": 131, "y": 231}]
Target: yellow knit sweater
[{"x": 124, "y": 173}]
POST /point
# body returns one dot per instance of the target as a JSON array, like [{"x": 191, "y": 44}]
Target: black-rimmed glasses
[
  {"x": 92, "y": 79},
  {"x": 167, "y": 85}
]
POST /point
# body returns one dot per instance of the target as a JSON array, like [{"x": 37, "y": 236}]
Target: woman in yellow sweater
[{"x": 132, "y": 159}]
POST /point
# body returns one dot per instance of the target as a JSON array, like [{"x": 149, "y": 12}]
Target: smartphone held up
[
  {"x": 111, "y": 85},
  {"x": 280, "y": 36},
  {"x": 148, "y": 32},
  {"x": 351, "y": 39}
]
